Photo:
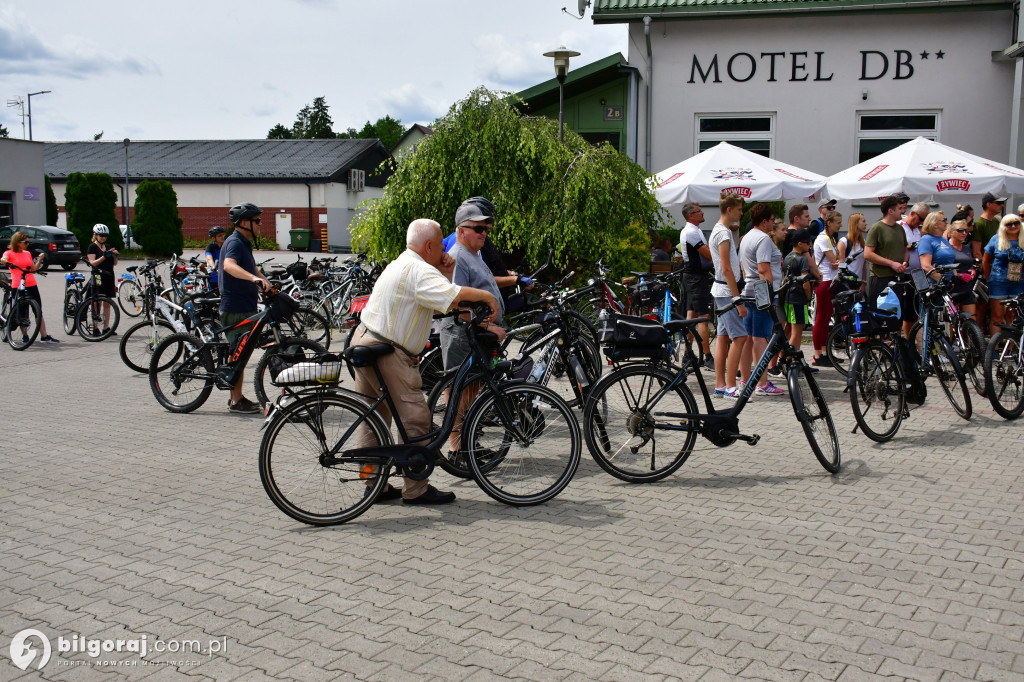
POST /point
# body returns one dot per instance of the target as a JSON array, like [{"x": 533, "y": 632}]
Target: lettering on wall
[{"x": 796, "y": 67}]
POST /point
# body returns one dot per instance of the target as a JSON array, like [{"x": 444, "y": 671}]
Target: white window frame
[
  {"x": 896, "y": 134},
  {"x": 768, "y": 135}
]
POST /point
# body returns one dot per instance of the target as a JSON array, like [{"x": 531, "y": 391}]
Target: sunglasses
[
  {"x": 479, "y": 229},
  {"x": 1013, "y": 223},
  {"x": 257, "y": 220},
  {"x": 961, "y": 230}
]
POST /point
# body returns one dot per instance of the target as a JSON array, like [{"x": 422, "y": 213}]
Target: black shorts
[
  {"x": 698, "y": 293},
  {"x": 904, "y": 291},
  {"x": 105, "y": 283}
]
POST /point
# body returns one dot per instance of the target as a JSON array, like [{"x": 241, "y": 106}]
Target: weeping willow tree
[{"x": 584, "y": 201}]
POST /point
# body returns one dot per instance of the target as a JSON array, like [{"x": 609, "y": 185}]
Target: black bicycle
[
  {"x": 641, "y": 421},
  {"x": 86, "y": 311},
  {"x": 1004, "y": 363},
  {"x": 327, "y": 454},
  {"x": 20, "y": 315}
]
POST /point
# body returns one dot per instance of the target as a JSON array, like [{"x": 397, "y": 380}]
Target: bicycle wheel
[
  {"x": 5, "y": 314},
  {"x": 838, "y": 349},
  {"x": 23, "y": 320},
  {"x": 292, "y": 452},
  {"x": 1004, "y": 373},
  {"x": 131, "y": 297},
  {"x": 876, "y": 394},
  {"x": 72, "y": 300},
  {"x": 262, "y": 381},
  {"x": 951, "y": 377},
  {"x": 92, "y": 318},
  {"x": 431, "y": 368},
  {"x": 456, "y": 463},
  {"x": 812, "y": 412},
  {"x": 139, "y": 342},
  {"x": 527, "y": 460},
  {"x": 630, "y": 437},
  {"x": 969, "y": 344},
  {"x": 181, "y": 373},
  {"x": 309, "y": 324}
]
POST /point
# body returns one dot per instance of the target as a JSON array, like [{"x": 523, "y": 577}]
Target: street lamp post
[
  {"x": 30, "y": 96},
  {"x": 561, "y": 57},
  {"x": 127, "y": 197}
]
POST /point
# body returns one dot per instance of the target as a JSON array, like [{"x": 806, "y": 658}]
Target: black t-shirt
[
  {"x": 106, "y": 266},
  {"x": 237, "y": 295}
]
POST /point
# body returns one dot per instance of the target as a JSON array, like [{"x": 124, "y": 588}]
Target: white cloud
[{"x": 409, "y": 105}]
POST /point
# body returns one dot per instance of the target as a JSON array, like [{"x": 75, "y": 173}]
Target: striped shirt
[{"x": 404, "y": 300}]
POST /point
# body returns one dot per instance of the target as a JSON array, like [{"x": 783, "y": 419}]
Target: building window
[
  {"x": 6, "y": 209},
  {"x": 754, "y": 132},
  {"x": 880, "y": 131}
]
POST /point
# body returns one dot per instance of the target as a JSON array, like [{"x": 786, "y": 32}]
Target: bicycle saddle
[
  {"x": 131, "y": 268},
  {"x": 682, "y": 325},
  {"x": 362, "y": 356}
]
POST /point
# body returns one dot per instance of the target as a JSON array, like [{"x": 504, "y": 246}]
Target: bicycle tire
[
  {"x": 950, "y": 374},
  {"x": 838, "y": 350},
  {"x": 290, "y": 459},
  {"x": 309, "y": 324},
  {"x": 89, "y": 318},
  {"x": 431, "y": 368},
  {"x": 139, "y": 342},
  {"x": 876, "y": 391},
  {"x": 4, "y": 315},
  {"x": 23, "y": 322},
  {"x": 131, "y": 297},
  {"x": 262, "y": 377},
  {"x": 812, "y": 412},
  {"x": 456, "y": 463},
  {"x": 527, "y": 472},
  {"x": 72, "y": 300},
  {"x": 969, "y": 343},
  {"x": 1004, "y": 373},
  {"x": 626, "y": 440},
  {"x": 181, "y": 373}
]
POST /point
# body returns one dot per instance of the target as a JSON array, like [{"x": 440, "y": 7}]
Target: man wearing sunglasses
[{"x": 240, "y": 284}]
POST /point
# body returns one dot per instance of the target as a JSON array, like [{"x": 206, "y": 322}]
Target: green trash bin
[{"x": 300, "y": 239}]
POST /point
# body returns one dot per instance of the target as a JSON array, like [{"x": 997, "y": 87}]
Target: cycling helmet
[
  {"x": 474, "y": 209},
  {"x": 100, "y": 228},
  {"x": 215, "y": 230},
  {"x": 245, "y": 211}
]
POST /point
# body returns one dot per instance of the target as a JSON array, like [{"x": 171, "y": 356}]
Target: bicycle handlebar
[{"x": 27, "y": 272}]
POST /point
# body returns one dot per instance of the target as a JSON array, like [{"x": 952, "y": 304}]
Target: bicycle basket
[
  {"x": 299, "y": 270},
  {"x": 871, "y": 322},
  {"x": 292, "y": 368},
  {"x": 647, "y": 294},
  {"x": 843, "y": 303},
  {"x": 281, "y": 307}
]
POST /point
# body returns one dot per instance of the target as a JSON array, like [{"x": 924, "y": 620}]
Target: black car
[{"x": 60, "y": 246}]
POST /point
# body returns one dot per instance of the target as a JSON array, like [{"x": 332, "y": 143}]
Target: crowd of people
[{"x": 905, "y": 237}]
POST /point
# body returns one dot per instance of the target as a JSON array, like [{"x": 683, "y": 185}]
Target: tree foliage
[
  {"x": 157, "y": 225},
  {"x": 90, "y": 199},
  {"x": 3, "y": 131},
  {"x": 584, "y": 201},
  {"x": 52, "y": 212},
  {"x": 279, "y": 132},
  {"x": 314, "y": 122},
  {"x": 388, "y": 130}
]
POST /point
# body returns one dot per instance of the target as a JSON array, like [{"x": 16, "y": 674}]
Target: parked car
[{"x": 60, "y": 246}]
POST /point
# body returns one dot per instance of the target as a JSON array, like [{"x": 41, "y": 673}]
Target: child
[{"x": 795, "y": 305}]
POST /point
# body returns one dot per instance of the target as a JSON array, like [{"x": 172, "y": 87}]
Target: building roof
[
  {"x": 578, "y": 80},
  {"x": 217, "y": 160},
  {"x": 618, "y": 11}
]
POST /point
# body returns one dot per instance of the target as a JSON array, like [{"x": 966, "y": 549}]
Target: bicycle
[
  {"x": 1004, "y": 363},
  {"x": 648, "y": 422},
  {"x": 887, "y": 371},
  {"x": 83, "y": 308},
  {"x": 20, "y": 315},
  {"x": 327, "y": 455},
  {"x": 185, "y": 369}
]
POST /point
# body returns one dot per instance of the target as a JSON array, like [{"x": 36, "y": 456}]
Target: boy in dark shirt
[{"x": 797, "y": 298}]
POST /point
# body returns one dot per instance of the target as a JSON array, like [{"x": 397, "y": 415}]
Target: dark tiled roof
[
  {"x": 606, "y": 11},
  {"x": 269, "y": 160}
]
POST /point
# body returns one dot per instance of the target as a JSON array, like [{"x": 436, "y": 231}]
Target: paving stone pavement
[{"x": 121, "y": 520}]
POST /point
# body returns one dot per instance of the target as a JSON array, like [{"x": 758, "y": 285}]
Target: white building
[{"x": 823, "y": 84}]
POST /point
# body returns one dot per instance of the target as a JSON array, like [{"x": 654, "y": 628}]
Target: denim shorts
[
  {"x": 758, "y": 323},
  {"x": 730, "y": 324},
  {"x": 1000, "y": 289}
]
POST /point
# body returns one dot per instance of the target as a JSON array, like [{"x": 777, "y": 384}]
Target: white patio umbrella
[
  {"x": 725, "y": 167},
  {"x": 923, "y": 167}
]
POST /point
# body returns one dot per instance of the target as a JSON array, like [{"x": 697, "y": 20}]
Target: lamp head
[{"x": 561, "y": 57}]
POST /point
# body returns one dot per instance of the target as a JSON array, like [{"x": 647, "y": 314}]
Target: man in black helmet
[
  {"x": 217, "y": 234},
  {"x": 240, "y": 284}
]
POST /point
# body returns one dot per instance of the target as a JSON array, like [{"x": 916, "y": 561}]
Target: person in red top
[{"x": 19, "y": 255}]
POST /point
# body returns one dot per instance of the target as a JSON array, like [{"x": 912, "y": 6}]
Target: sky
[{"x": 215, "y": 69}]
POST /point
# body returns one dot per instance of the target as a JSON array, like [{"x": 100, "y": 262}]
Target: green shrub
[
  {"x": 157, "y": 225},
  {"x": 90, "y": 199}
]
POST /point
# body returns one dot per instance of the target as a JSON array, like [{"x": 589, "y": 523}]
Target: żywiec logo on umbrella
[
  {"x": 946, "y": 167},
  {"x": 738, "y": 191},
  {"x": 958, "y": 184}
]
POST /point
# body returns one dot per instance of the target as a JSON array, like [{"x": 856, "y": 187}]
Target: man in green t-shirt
[
  {"x": 885, "y": 249},
  {"x": 987, "y": 224}
]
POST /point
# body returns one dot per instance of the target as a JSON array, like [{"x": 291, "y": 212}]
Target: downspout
[
  {"x": 650, "y": 72},
  {"x": 309, "y": 210}
]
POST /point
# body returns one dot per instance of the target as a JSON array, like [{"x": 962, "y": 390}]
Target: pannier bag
[
  {"x": 843, "y": 303},
  {"x": 292, "y": 368},
  {"x": 871, "y": 321},
  {"x": 647, "y": 294},
  {"x": 627, "y": 337}
]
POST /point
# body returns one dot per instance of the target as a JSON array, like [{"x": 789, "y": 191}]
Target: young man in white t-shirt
[{"x": 723, "y": 242}]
